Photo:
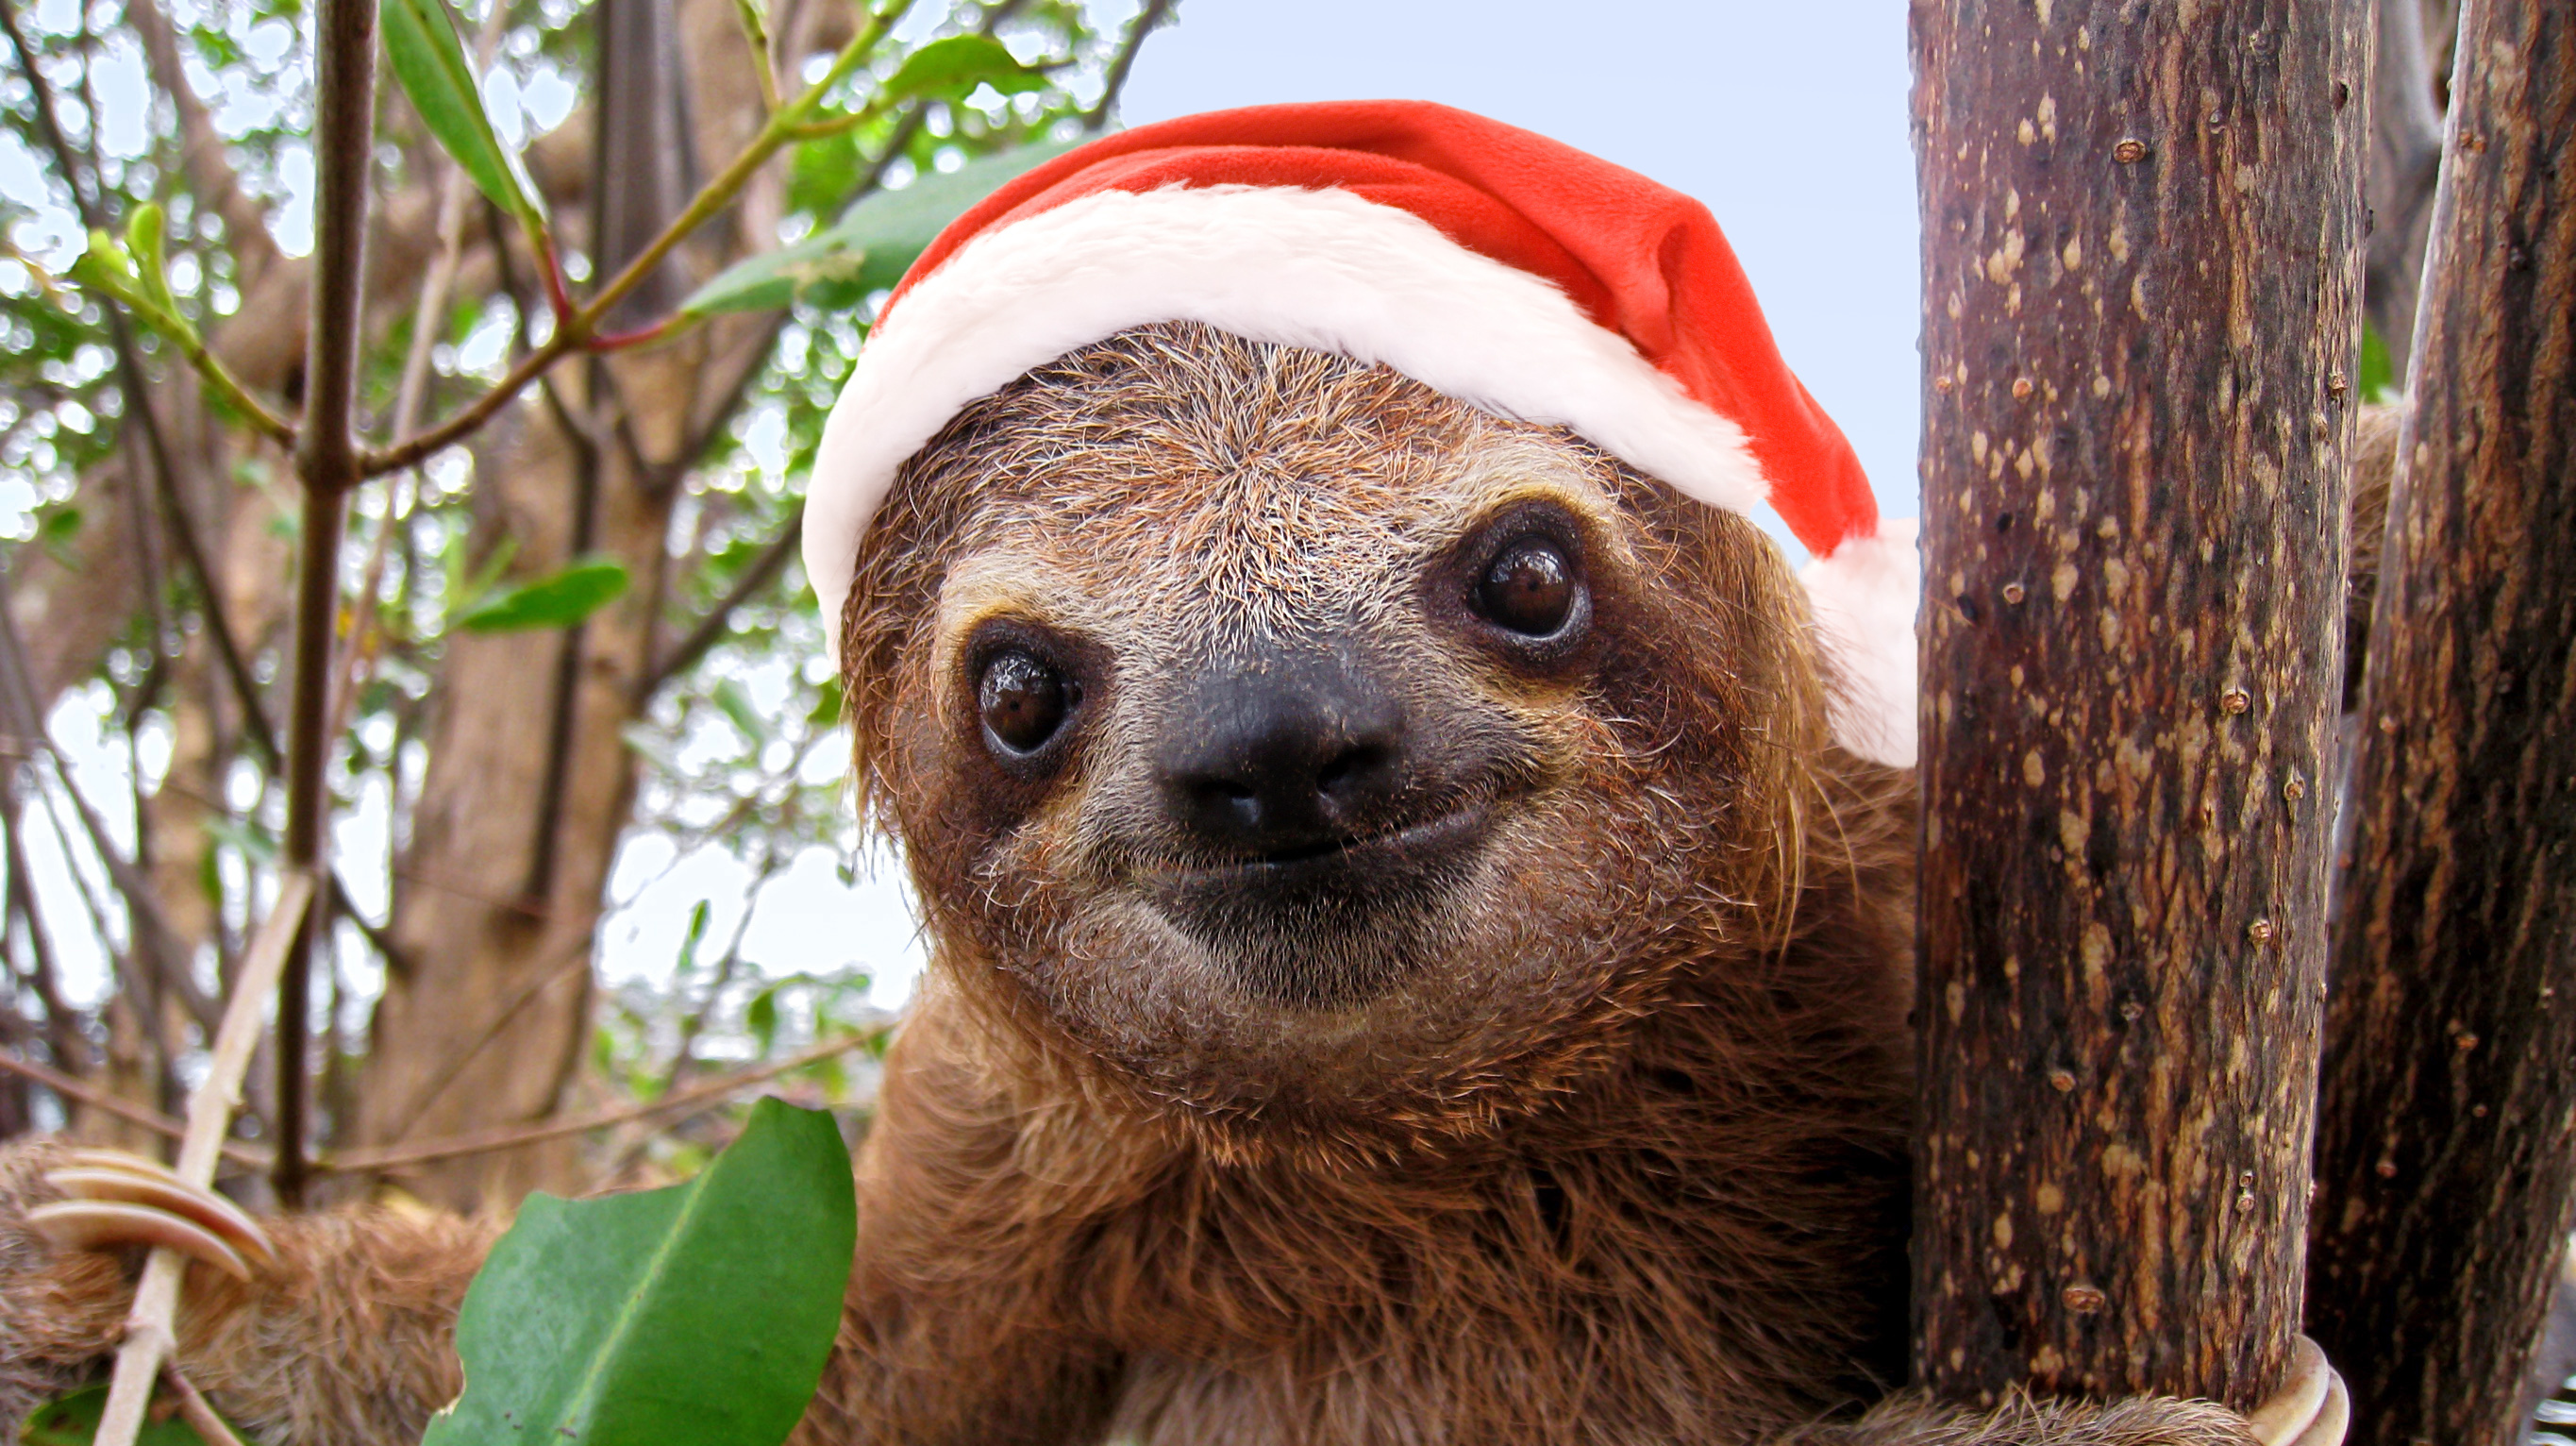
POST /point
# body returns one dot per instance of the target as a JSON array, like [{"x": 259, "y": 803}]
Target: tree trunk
[
  {"x": 2142, "y": 261},
  {"x": 530, "y": 780},
  {"x": 2447, "y": 1153}
]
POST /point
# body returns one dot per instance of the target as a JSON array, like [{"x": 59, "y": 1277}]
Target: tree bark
[
  {"x": 2446, "y": 1160},
  {"x": 2142, "y": 262}
]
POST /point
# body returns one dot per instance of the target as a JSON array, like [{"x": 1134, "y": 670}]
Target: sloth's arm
[
  {"x": 960, "y": 1328},
  {"x": 343, "y": 1334},
  {"x": 2310, "y": 1409}
]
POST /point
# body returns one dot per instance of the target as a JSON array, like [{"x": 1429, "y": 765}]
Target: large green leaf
[
  {"x": 428, "y": 57},
  {"x": 73, "y": 1421},
  {"x": 557, "y": 600},
  {"x": 700, "y": 1315},
  {"x": 871, "y": 246},
  {"x": 951, "y": 69}
]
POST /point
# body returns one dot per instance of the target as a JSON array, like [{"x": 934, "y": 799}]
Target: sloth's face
[{"x": 1310, "y": 750}]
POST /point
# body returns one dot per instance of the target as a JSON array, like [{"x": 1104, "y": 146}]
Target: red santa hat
[{"x": 1509, "y": 271}]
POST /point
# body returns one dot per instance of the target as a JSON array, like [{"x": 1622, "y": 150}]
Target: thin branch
[
  {"x": 696, "y": 1100},
  {"x": 249, "y": 1157},
  {"x": 718, "y": 620},
  {"x": 138, "y": 407},
  {"x": 575, "y": 964},
  {"x": 193, "y": 1408},
  {"x": 578, "y": 329},
  {"x": 149, "y": 1338},
  {"x": 151, "y": 929},
  {"x": 328, "y": 462},
  {"x": 1147, "y": 19},
  {"x": 62, "y": 1031}
]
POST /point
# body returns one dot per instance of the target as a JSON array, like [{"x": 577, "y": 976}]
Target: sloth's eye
[
  {"x": 1023, "y": 701},
  {"x": 1529, "y": 589}
]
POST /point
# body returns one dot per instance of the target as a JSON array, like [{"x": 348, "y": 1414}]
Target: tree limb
[
  {"x": 249, "y": 1157},
  {"x": 691, "y": 1101},
  {"x": 327, "y": 461}
]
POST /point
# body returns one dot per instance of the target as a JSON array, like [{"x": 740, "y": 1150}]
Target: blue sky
[{"x": 1789, "y": 121}]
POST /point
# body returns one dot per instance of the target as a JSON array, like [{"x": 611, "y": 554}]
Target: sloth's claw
[
  {"x": 115, "y": 1199},
  {"x": 106, "y": 1225},
  {"x": 2310, "y": 1408}
]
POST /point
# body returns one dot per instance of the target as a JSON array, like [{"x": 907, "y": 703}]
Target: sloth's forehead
[{"x": 1147, "y": 535}]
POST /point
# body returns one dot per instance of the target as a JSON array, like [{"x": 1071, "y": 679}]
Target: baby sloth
[{"x": 1412, "y": 961}]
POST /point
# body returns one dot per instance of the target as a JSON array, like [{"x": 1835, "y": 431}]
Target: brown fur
[{"x": 1600, "y": 1140}]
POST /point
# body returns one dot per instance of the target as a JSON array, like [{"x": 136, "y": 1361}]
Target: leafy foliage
[
  {"x": 428, "y": 57},
  {"x": 871, "y": 246},
  {"x": 696, "y": 1315},
  {"x": 557, "y": 600}
]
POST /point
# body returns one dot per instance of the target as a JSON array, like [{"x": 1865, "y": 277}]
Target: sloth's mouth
[
  {"x": 1457, "y": 828},
  {"x": 1351, "y": 881},
  {"x": 1329, "y": 924}
]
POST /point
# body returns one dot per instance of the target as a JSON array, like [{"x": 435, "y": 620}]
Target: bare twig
[
  {"x": 356, "y": 662},
  {"x": 62, "y": 1031},
  {"x": 2405, "y": 160},
  {"x": 249, "y": 1157},
  {"x": 148, "y": 1333},
  {"x": 1147, "y": 19},
  {"x": 152, "y": 931},
  {"x": 718, "y": 621},
  {"x": 691, "y": 1101},
  {"x": 193, "y": 1408},
  {"x": 327, "y": 460},
  {"x": 575, "y": 965}
]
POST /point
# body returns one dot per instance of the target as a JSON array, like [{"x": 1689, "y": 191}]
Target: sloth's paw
[
  {"x": 112, "y": 1200},
  {"x": 2310, "y": 1409}
]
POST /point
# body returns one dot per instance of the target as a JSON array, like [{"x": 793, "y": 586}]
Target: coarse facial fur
[
  {"x": 1176, "y": 512},
  {"x": 1633, "y": 1014},
  {"x": 1549, "y": 1089}
]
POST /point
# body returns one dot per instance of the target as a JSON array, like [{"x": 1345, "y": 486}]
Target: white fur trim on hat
[
  {"x": 1864, "y": 599},
  {"x": 1326, "y": 270},
  {"x": 1319, "y": 269}
]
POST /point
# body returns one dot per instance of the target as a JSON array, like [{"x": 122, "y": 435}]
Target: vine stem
[{"x": 150, "y": 1334}]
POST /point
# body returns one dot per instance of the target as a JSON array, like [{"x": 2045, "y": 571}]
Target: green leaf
[
  {"x": 146, "y": 241},
  {"x": 428, "y": 57},
  {"x": 761, "y": 1018},
  {"x": 736, "y": 704},
  {"x": 950, "y": 69},
  {"x": 255, "y": 844},
  {"x": 700, "y": 1315},
  {"x": 57, "y": 524},
  {"x": 73, "y": 1421},
  {"x": 827, "y": 705},
  {"x": 557, "y": 600},
  {"x": 689, "y": 943},
  {"x": 871, "y": 246}
]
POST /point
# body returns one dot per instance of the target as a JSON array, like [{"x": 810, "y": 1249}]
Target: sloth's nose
[{"x": 1280, "y": 755}]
